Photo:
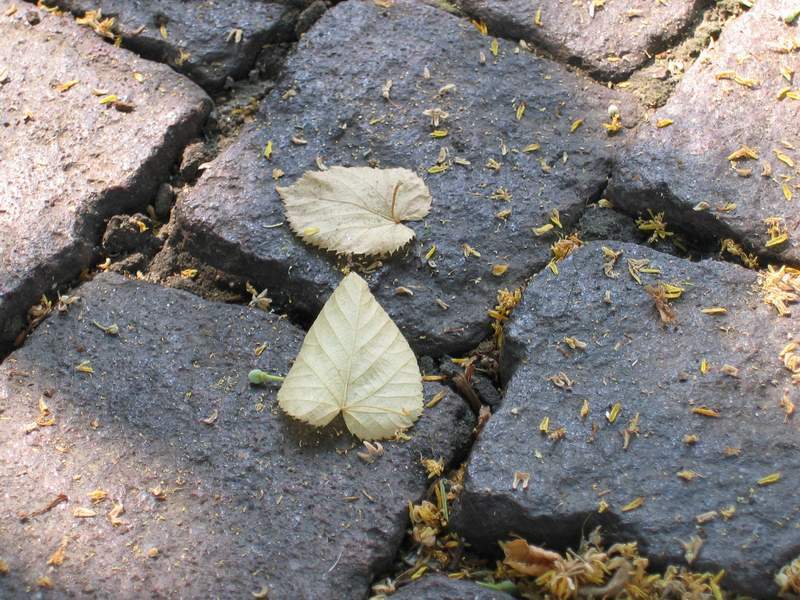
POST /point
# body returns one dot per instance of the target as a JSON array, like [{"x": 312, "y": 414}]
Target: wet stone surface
[
  {"x": 222, "y": 492},
  {"x": 70, "y": 161},
  {"x": 330, "y": 106},
  {"x": 706, "y": 487},
  {"x": 619, "y": 38},
  {"x": 684, "y": 168},
  {"x": 208, "y": 41},
  {"x": 441, "y": 587}
]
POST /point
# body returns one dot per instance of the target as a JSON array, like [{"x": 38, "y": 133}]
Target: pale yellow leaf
[
  {"x": 356, "y": 210},
  {"x": 354, "y": 360}
]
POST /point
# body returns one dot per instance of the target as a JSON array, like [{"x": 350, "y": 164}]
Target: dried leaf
[
  {"x": 499, "y": 269},
  {"x": 521, "y": 479},
  {"x": 633, "y": 504},
  {"x": 97, "y": 496},
  {"x": 528, "y": 559},
  {"x": 356, "y": 210},
  {"x": 769, "y": 479},
  {"x": 57, "y": 557},
  {"x": 373, "y": 452},
  {"x": 114, "y": 514},
  {"x": 67, "y": 85},
  {"x": 354, "y": 360},
  {"x": 212, "y": 418}
]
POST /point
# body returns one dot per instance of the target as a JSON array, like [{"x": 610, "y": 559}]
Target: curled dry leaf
[
  {"x": 528, "y": 559},
  {"x": 355, "y": 361},
  {"x": 356, "y": 210}
]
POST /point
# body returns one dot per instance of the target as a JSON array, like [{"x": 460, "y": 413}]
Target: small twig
[
  {"x": 53, "y": 503},
  {"x": 465, "y": 389}
]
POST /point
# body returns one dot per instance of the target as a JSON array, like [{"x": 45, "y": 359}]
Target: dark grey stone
[
  {"x": 70, "y": 162},
  {"x": 675, "y": 168},
  {"x": 198, "y": 28},
  {"x": 605, "y": 224},
  {"x": 331, "y": 92},
  {"x": 440, "y": 587},
  {"x": 165, "y": 196},
  {"x": 194, "y": 155},
  {"x": 250, "y": 501},
  {"x": 309, "y": 16},
  {"x": 653, "y": 371},
  {"x": 610, "y": 45}
]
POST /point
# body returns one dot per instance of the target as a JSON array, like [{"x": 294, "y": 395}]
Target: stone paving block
[
  {"x": 619, "y": 38},
  {"x": 666, "y": 486},
  {"x": 198, "y": 38},
  {"x": 690, "y": 169},
  {"x": 69, "y": 161},
  {"x": 441, "y": 587},
  {"x": 223, "y": 494},
  {"x": 331, "y": 107}
]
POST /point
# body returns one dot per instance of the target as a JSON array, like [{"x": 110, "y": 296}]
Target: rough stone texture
[
  {"x": 610, "y": 45},
  {"x": 653, "y": 371},
  {"x": 605, "y": 224},
  {"x": 253, "y": 501},
  {"x": 199, "y": 28},
  {"x": 69, "y": 162},
  {"x": 674, "y": 168},
  {"x": 440, "y": 587},
  {"x": 332, "y": 91}
]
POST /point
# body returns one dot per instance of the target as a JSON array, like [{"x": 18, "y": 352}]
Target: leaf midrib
[{"x": 351, "y": 352}]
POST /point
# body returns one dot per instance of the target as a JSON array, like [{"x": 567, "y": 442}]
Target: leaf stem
[
  {"x": 394, "y": 201},
  {"x": 259, "y": 377}
]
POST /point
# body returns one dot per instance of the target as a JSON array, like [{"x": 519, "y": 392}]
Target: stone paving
[
  {"x": 88, "y": 131},
  {"x": 610, "y": 40},
  {"x": 345, "y": 119},
  {"x": 642, "y": 379}
]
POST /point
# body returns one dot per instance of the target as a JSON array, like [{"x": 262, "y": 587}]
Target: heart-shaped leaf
[
  {"x": 356, "y": 210},
  {"x": 354, "y": 360}
]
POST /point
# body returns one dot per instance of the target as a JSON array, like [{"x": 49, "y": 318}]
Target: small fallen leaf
[
  {"x": 633, "y": 504},
  {"x": 499, "y": 269},
  {"x": 705, "y": 411},
  {"x": 434, "y": 468},
  {"x": 769, "y": 479},
  {"x": 374, "y": 451},
  {"x": 212, "y": 418},
  {"x": 521, "y": 480},
  {"x": 112, "y": 329},
  {"x": 357, "y": 210},
  {"x": 355, "y": 361},
  {"x": 83, "y": 513},
  {"x": 528, "y": 559},
  {"x": 84, "y": 366},
  {"x": 57, "y": 557},
  {"x": 97, "y": 496},
  {"x": 67, "y": 85},
  {"x": 114, "y": 514}
]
